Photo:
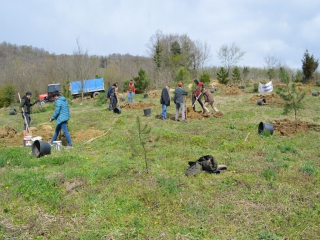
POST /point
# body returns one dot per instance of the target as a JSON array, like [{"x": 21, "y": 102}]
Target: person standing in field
[
  {"x": 112, "y": 95},
  {"x": 208, "y": 100},
  {"x": 131, "y": 91},
  {"x": 165, "y": 101},
  {"x": 25, "y": 109},
  {"x": 179, "y": 101},
  {"x": 196, "y": 95},
  {"x": 62, "y": 116}
]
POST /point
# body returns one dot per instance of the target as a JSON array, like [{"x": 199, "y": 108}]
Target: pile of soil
[
  {"x": 287, "y": 127},
  {"x": 154, "y": 94},
  {"x": 307, "y": 91},
  {"x": 270, "y": 98},
  {"x": 199, "y": 115},
  {"x": 7, "y": 132},
  {"x": 139, "y": 105},
  {"x": 233, "y": 90}
]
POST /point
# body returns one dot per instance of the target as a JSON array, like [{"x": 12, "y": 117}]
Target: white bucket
[
  {"x": 27, "y": 141},
  {"x": 57, "y": 145},
  {"x": 36, "y": 138}
]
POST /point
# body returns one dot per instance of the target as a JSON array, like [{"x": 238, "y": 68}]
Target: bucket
[
  {"x": 27, "y": 141},
  {"x": 57, "y": 145},
  {"x": 265, "y": 127},
  {"x": 145, "y": 96},
  {"x": 315, "y": 93},
  {"x": 147, "y": 112},
  {"x": 261, "y": 101},
  {"x": 117, "y": 110},
  {"x": 36, "y": 138},
  {"x": 40, "y": 148}
]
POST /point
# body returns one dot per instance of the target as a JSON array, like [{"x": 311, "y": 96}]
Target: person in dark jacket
[
  {"x": 25, "y": 109},
  {"x": 196, "y": 96},
  {"x": 112, "y": 95},
  {"x": 62, "y": 116},
  {"x": 165, "y": 101},
  {"x": 179, "y": 101}
]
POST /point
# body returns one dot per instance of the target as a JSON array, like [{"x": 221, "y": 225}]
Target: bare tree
[
  {"x": 85, "y": 67},
  {"x": 230, "y": 56}
]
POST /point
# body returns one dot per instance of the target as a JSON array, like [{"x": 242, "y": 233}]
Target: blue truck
[{"x": 92, "y": 87}]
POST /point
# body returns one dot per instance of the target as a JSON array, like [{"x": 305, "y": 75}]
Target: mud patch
[
  {"x": 139, "y": 105},
  {"x": 270, "y": 98},
  {"x": 287, "y": 127}
]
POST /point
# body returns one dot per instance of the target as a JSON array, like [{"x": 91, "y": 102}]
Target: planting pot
[
  {"x": 123, "y": 99},
  {"x": 40, "y": 148},
  {"x": 147, "y": 112},
  {"x": 315, "y": 93},
  {"x": 13, "y": 112},
  {"x": 215, "y": 88},
  {"x": 242, "y": 87},
  {"x": 117, "y": 110},
  {"x": 145, "y": 96},
  {"x": 261, "y": 101},
  {"x": 265, "y": 127}
]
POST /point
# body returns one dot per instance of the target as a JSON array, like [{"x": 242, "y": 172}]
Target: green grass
[{"x": 101, "y": 190}]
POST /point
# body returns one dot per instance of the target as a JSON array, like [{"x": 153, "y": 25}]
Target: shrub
[{"x": 7, "y": 93}]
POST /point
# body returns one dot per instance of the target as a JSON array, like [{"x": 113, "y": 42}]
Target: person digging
[
  {"x": 25, "y": 109},
  {"x": 208, "y": 100}
]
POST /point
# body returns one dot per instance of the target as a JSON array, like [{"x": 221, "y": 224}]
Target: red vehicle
[{"x": 47, "y": 97}]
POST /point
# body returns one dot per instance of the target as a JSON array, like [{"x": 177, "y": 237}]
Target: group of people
[
  {"x": 112, "y": 94},
  {"x": 61, "y": 115},
  {"x": 179, "y": 101}
]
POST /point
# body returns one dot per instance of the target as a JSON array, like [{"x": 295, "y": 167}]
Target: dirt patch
[
  {"x": 69, "y": 186},
  {"x": 139, "y": 105},
  {"x": 154, "y": 94},
  {"x": 270, "y": 98},
  {"x": 7, "y": 132},
  {"x": 85, "y": 135},
  {"x": 233, "y": 90},
  {"x": 307, "y": 91},
  {"x": 287, "y": 127},
  {"x": 199, "y": 115}
]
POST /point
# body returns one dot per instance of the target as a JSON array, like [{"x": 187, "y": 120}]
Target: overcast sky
[{"x": 282, "y": 28}]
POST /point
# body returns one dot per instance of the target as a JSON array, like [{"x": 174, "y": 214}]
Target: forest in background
[{"x": 171, "y": 58}]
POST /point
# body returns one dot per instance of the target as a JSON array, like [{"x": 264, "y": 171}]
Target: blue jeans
[
  {"x": 164, "y": 111},
  {"x": 130, "y": 96},
  {"x": 64, "y": 127}
]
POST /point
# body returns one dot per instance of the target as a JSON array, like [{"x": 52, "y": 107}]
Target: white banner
[{"x": 265, "y": 88}]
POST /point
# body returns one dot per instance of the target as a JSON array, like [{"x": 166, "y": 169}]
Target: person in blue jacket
[{"x": 62, "y": 116}]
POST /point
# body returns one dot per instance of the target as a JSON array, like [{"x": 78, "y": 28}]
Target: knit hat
[
  {"x": 180, "y": 84},
  {"x": 28, "y": 93}
]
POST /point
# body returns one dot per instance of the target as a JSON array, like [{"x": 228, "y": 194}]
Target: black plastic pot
[
  {"x": 13, "y": 112},
  {"x": 145, "y": 96},
  {"x": 315, "y": 93},
  {"x": 117, "y": 110},
  {"x": 261, "y": 101},
  {"x": 40, "y": 148},
  {"x": 265, "y": 127},
  {"x": 147, "y": 112},
  {"x": 215, "y": 88}
]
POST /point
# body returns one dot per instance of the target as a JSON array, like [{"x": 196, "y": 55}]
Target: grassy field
[{"x": 101, "y": 189}]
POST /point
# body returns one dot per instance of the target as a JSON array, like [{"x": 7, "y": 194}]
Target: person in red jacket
[
  {"x": 131, "y": 91},
  {"x": 196, "y": 95}
]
